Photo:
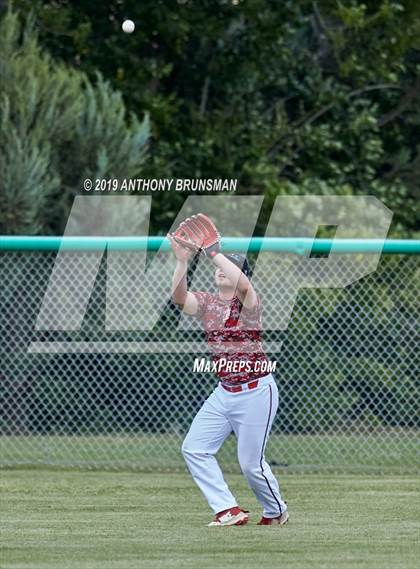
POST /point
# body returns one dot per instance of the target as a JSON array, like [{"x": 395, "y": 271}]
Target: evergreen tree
[{"x": 57, "y": 127}]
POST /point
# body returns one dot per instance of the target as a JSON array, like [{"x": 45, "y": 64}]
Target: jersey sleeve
[
  {"x": 203, "y": 299},
  {"x": 251, "y": 317},
  {"x": 256, "y": 310}
]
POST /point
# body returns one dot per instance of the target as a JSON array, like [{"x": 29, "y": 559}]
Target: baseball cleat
[
  {"x": 279, "y": 521},
  {"x": 231, "y": 517}
]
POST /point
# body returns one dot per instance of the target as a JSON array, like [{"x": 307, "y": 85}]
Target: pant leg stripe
[{"x": 262, "y": 453}]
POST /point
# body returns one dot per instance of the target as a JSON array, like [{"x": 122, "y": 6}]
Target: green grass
[
  {"x": 107, "y": 520},
  {"x": 393, "y": 452}
]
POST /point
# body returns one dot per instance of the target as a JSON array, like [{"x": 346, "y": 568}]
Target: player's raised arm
[
  {"x": 198, "y": 233},
  {"x": 244, "y": 288},
  {"x": 180, "y": 295}
]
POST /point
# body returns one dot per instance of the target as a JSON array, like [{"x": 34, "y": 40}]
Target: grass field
[
  {"x": 393, "y": 452},
  {"x": 59, "y": 519}
]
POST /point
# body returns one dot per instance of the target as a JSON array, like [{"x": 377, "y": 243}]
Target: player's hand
[{"x": 180, "y": 252}]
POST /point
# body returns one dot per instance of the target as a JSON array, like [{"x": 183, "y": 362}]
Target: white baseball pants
[{"x": 249, "y": 414}]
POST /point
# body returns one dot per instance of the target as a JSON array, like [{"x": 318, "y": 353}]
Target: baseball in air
[{"x": 128, "y": 26}]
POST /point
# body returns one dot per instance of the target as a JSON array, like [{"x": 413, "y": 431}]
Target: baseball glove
[{"x": 198, "y": 233}]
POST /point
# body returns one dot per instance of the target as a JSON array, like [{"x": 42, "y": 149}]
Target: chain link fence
[{"x": 347, "y": 369}]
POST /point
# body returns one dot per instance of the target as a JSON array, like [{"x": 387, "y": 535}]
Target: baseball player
[{"x": 245, "y": 400}]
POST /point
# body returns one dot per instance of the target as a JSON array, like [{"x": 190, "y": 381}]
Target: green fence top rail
[{"x": 296, "y": 245}]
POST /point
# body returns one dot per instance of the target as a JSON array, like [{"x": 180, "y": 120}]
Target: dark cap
[{"x": 240, "y": 261}]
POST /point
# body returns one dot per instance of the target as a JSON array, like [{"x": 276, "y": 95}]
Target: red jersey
[{"x": 233, "y": 333}]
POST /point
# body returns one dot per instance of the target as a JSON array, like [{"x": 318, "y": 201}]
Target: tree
[
  {"x": 56, "y": 128},
  {"x": 289, "y": 97}
]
